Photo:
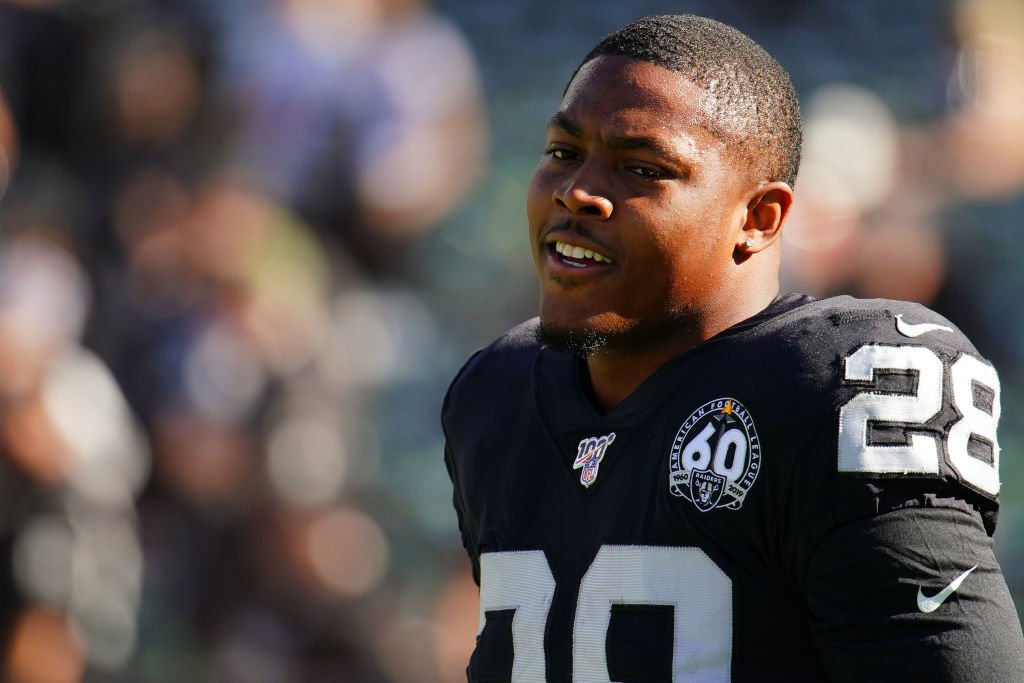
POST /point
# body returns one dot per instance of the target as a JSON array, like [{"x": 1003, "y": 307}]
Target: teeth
[{"x": 579, "y": 252}]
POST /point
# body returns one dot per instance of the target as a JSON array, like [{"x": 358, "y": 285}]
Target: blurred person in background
[
  {"x": 227, "y": 220},
  {"x": 884, "y": 198},
  {"x": 8, "y": 144},
  {"x": 72, "y": 464},
  {"x": 363, "y": 115},
  {"x": 635, "y": 500}
]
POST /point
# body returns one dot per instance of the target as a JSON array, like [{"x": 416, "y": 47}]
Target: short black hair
[{"x": 752, "y": 104}]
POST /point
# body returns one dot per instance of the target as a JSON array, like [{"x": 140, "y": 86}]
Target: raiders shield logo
[
  {"x": 716, "y": 456},
  {"x": 706, "y": 489}
]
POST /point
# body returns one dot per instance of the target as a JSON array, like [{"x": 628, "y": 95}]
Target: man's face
[{"x": 634, "y": 208}]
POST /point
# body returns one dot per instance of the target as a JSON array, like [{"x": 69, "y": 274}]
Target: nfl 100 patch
[
  {"x": 716, "y": 456},
  {"x": 589, "y": 455}
]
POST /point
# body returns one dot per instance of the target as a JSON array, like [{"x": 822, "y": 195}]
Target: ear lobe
[{"x": 766, "y": 213}]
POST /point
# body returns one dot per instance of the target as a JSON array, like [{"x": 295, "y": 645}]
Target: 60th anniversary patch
[{"x": 716, "y": 456}]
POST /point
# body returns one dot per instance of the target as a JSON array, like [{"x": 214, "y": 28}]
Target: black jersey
[{"x": 808, "y": 496}]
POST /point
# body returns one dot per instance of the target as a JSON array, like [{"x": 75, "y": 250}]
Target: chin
[
  {"x": 577, "y": 332},
  {"x": 586, "y": 328},
  {"x": 584, "y": 341},
  {"x": 587, "y": 336}
]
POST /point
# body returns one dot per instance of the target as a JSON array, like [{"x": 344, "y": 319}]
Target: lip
[
  {"x": 576, "y": 234},
  {"x": 556, "y": 265}
]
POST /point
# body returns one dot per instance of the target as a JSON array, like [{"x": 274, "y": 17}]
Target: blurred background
[{"x": 245, "y": 244}]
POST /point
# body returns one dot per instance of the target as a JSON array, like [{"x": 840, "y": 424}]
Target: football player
[{"x": 677, "y": 474}]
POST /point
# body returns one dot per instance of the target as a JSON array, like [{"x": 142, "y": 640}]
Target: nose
[{"x": 579, "y": 200}]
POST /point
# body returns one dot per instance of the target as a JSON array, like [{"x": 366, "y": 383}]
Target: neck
[{"x": 616, "y": 372}]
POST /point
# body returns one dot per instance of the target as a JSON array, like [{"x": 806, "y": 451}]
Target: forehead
[{"x": 630, "y": 96}]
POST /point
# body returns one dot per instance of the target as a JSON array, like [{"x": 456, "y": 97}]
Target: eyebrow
[{"x": 562, "y": 121}]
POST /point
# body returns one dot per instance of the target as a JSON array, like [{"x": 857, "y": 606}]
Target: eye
[
  {"x": 648, "y": 172},
  {"x": 562, "y": 153}
]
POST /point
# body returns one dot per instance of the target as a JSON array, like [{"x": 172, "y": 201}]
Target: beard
[
  {"x": 585, "y": 342},
  {"x": 632, "y": 337}
]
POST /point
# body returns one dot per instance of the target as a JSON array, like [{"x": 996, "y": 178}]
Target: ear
[{"x": 767, "y": 210}]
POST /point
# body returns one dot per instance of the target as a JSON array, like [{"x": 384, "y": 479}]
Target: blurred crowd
[
  {"x": 207, "y": 215},
  {"x": 245, "y": 244}
]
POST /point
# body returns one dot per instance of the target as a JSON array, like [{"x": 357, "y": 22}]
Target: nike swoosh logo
[
  {"x": 931, "y": 604},
  {"x": 916, "y": 330}
]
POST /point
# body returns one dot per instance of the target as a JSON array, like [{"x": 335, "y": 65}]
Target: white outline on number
[
  {"x": 964, "y": 373},
  {"x": 921, "y": 455},
  {"x": 519, "y": 580},
  {"x": 684, "y": 578}
]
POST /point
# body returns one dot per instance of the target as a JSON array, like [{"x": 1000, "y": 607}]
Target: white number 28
[{"x": 921, "y": 453}]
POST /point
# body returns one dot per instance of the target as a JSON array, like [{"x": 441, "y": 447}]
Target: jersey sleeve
[
  {"x": 894, "y": 499},
  {"x": 913, "y": 594},
  {"x": 478, "y": 402},
  {"x": 452, "y": 402},
  {"x": 466, "y": 524}
]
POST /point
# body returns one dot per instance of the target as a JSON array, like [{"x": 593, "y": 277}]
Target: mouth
[{"x": 576, "y": 256}]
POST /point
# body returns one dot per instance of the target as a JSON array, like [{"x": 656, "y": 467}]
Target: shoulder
[
  {"x": 841, "y": 324},
  {"x": 506, "y": 358},
  {"x": 818, "y": 348},
  {"x": 502, "y": 367},
  {"x": 908, "y": 407}
]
